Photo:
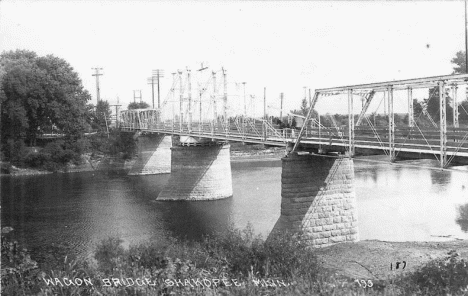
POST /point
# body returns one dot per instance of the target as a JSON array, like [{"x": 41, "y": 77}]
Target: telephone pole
[
  {"x": 151, "y": 81},
  {"x": 281, "y": 107},
  {"x": 245, "y": 104},
  {"x": 116, "y": 112},
  {"x": 97, "y": 74},
  {"x": 158, "y": 73},
  {"x": 135, "y": 97},
  {"x": 466, "y": 40},
  {"x": 225, "y": 99}
]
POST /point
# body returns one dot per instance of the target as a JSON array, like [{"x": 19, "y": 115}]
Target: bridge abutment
[
  {"x": 318, "y": 199},
  {"x": 153, "y": 156},
  {"x": 199, "y": 172}
]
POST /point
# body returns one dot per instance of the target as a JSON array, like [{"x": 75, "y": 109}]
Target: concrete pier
[
  {"x": 318, "y": 199},
  {"x": 199, "y": 172},
  {"x": 153, "y": 156}
]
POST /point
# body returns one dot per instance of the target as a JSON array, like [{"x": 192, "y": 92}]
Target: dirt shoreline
[{"x": 371, "y": 259}]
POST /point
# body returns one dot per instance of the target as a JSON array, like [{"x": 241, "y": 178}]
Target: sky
[{"x": 281, "y": 45}]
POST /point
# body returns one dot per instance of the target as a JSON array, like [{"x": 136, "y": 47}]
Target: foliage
[
  {"x": 237, "y": 254},
  {"x": 14, "y": 151},
  {"x": 417, "y": 108},
  {"x": 304, "y": 107},
  {"x": 100, "y": 116},
  {"x": 433, "y": 105},
  {"x": 460, "y": 63},
  {"x": 140, "y": 105},
  {"x": 19, "y": 271},
  {"x": 54, "y": 156},
  {"x": 463, "y": 111},
  {"x": 439, "y": 277},
  {"x": 39, "y": 95},
  {"x": 117, "y": 143}
]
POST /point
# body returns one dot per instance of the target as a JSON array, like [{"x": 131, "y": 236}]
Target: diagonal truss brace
[
  {"x": 306, "y": 121},
  {"x": 369, "y": 98}
]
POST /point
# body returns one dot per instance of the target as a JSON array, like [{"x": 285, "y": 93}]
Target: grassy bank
[{"x": 232, "y": 263}]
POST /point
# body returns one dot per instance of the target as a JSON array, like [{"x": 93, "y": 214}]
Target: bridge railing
[{"x": 257, "y": 130}]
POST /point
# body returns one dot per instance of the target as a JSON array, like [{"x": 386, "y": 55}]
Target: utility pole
[
  {"x": 116, "y": 112},
  {"x": 155, "y": 78},
  {"x": 173, "y": 99},
  {"x": 245, "y": 113},
  {"x": 181, "y": 99},
  {"x": 97, "y": 74},
  {"x": 226, "y": 121},
  {"x": 189, "y": 101},
  {"x": 466, "y": 39},
  {"x": 281, "y": 107},
  {"x": 201, "y": 90},
  {"x": 310, "y": 106},
  {"x": 305, "y": 93},
  {"x": 158, "y": 73},
  {"x": 135, "y": 97},
  {"x": 245, "y": 104},
  {"x": 215, "y": 107},
  {"x": 151, "y": 81}
]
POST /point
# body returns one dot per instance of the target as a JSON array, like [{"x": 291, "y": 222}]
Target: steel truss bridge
[{"x": 445, "y": 141}]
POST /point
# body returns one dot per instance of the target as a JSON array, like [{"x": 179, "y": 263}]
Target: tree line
[{"x": 41, "y": 95}]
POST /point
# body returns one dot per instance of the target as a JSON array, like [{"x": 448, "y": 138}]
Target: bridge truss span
[
  {"x": 362, "y": 128},
  {"x": 444, "y": 143}
]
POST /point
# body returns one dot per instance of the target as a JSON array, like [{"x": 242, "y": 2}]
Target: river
[{"x": 409, "y": 201}]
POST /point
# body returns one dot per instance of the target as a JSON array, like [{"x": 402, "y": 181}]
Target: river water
[{"x": 401, "y": 202}]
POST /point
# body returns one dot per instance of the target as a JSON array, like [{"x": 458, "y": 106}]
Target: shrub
[
  {"x": 14, "y": 151},
  {"x": 236, "y": 254},
  {"x": 79, "y": 146},
  {"x": 439, "y": 277},
  {"x": 18, "y": 270},
  {"x": 37, "y": 160},
  {"x": 117, "y": 143},
  {"x": 243, "y": 254}
]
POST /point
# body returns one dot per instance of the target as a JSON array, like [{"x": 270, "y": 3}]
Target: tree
[
  {"x": 39, "y": 95},
  {"x": 103, "y": 114},
  {"x": 304, "y": 107},
  {"x": 463, "y": 111},
  {"x": 460, "y": 63},
  {"x": 140, "y": 105},
  {"x": 417, "y": 108},
  {"x": 433, "y": 105},
  {"x": 460, "y": 68}
]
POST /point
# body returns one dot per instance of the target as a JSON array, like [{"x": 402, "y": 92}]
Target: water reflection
[
  {"x": 462, "y": 218},
  {"x": 395, "y": 203},
  {"x": 440, "y": 178}
]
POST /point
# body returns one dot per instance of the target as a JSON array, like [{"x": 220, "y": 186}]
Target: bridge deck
[{"x": 408, "y": 142}]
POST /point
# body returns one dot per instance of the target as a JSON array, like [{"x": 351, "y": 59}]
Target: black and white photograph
[{"x": 240, "y": 147}]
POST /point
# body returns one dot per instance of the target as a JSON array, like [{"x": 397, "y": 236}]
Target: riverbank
[
  {"x": 101, "y": 162},
  {"x": 376, "y": 260},
  {"x": 237, "y": 263},
  {"x": 88, "y": 163}
]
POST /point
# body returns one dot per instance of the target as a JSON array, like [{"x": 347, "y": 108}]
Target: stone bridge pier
[
  {"x": 199, "y": 171},
  {"x": 318, "y": 199},
  {"x": 153, "y": 155}
]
